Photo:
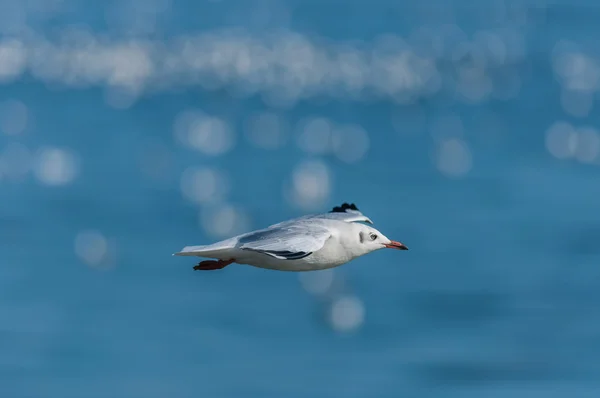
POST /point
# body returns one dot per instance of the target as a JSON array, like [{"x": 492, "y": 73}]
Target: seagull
[{"x": 308, "y": 243}]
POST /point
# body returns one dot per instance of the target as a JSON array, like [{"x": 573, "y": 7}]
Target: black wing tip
[
  {"x": 287, "y": 255},
  {"x": 344, "y": 207}
]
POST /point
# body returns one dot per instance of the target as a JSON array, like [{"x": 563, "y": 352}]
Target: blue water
[{"x": 496, "y": 297}]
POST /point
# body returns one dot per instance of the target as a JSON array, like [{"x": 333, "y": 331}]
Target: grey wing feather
[
  {"x": 349, "y": 216},
  {"x": 289, "y": 242}
]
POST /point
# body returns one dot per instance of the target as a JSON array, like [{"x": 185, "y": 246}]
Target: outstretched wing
[
  {"x": 353, "y": 216},
  {"x": 287, "y": 242},
  {"x": 346, "y": 212}
]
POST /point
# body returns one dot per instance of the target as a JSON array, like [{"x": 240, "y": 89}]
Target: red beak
[{"x": 396, "y": 245}]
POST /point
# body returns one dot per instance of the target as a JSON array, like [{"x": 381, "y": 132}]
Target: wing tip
[
  {"x": 350, "y": 208},
  {"x": 284, "y": 254},
  {"x": 344, "y": 207}
]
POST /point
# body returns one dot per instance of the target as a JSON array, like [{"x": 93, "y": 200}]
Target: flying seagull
[{"x": 307, "y": 243}]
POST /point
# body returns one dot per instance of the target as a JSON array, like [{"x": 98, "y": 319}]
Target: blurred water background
[{"x": 467, "y": 130}]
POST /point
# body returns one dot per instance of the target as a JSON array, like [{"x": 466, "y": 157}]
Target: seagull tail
[
  {"x": 192, "y": 251},
  {"x": 202, "y": 251}
]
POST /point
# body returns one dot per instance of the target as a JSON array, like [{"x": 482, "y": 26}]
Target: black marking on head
[
  {"x": 283, "y": 254},
  {"x": 344, "y": 207}
]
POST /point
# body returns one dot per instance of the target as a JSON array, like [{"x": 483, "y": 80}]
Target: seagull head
[{"x": 371, "y": 239}]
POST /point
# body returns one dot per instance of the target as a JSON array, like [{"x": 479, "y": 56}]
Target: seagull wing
[
  {"x": 286, "y": 242},
  {"x": 348, "y": 216},
  {"x": 354, "y": 216}
]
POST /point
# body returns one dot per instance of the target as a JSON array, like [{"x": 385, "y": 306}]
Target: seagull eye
[{"x": 373, "y": 236}]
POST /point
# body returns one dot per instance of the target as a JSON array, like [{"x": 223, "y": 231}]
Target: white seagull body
[{"x": 307, "y": 243}]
